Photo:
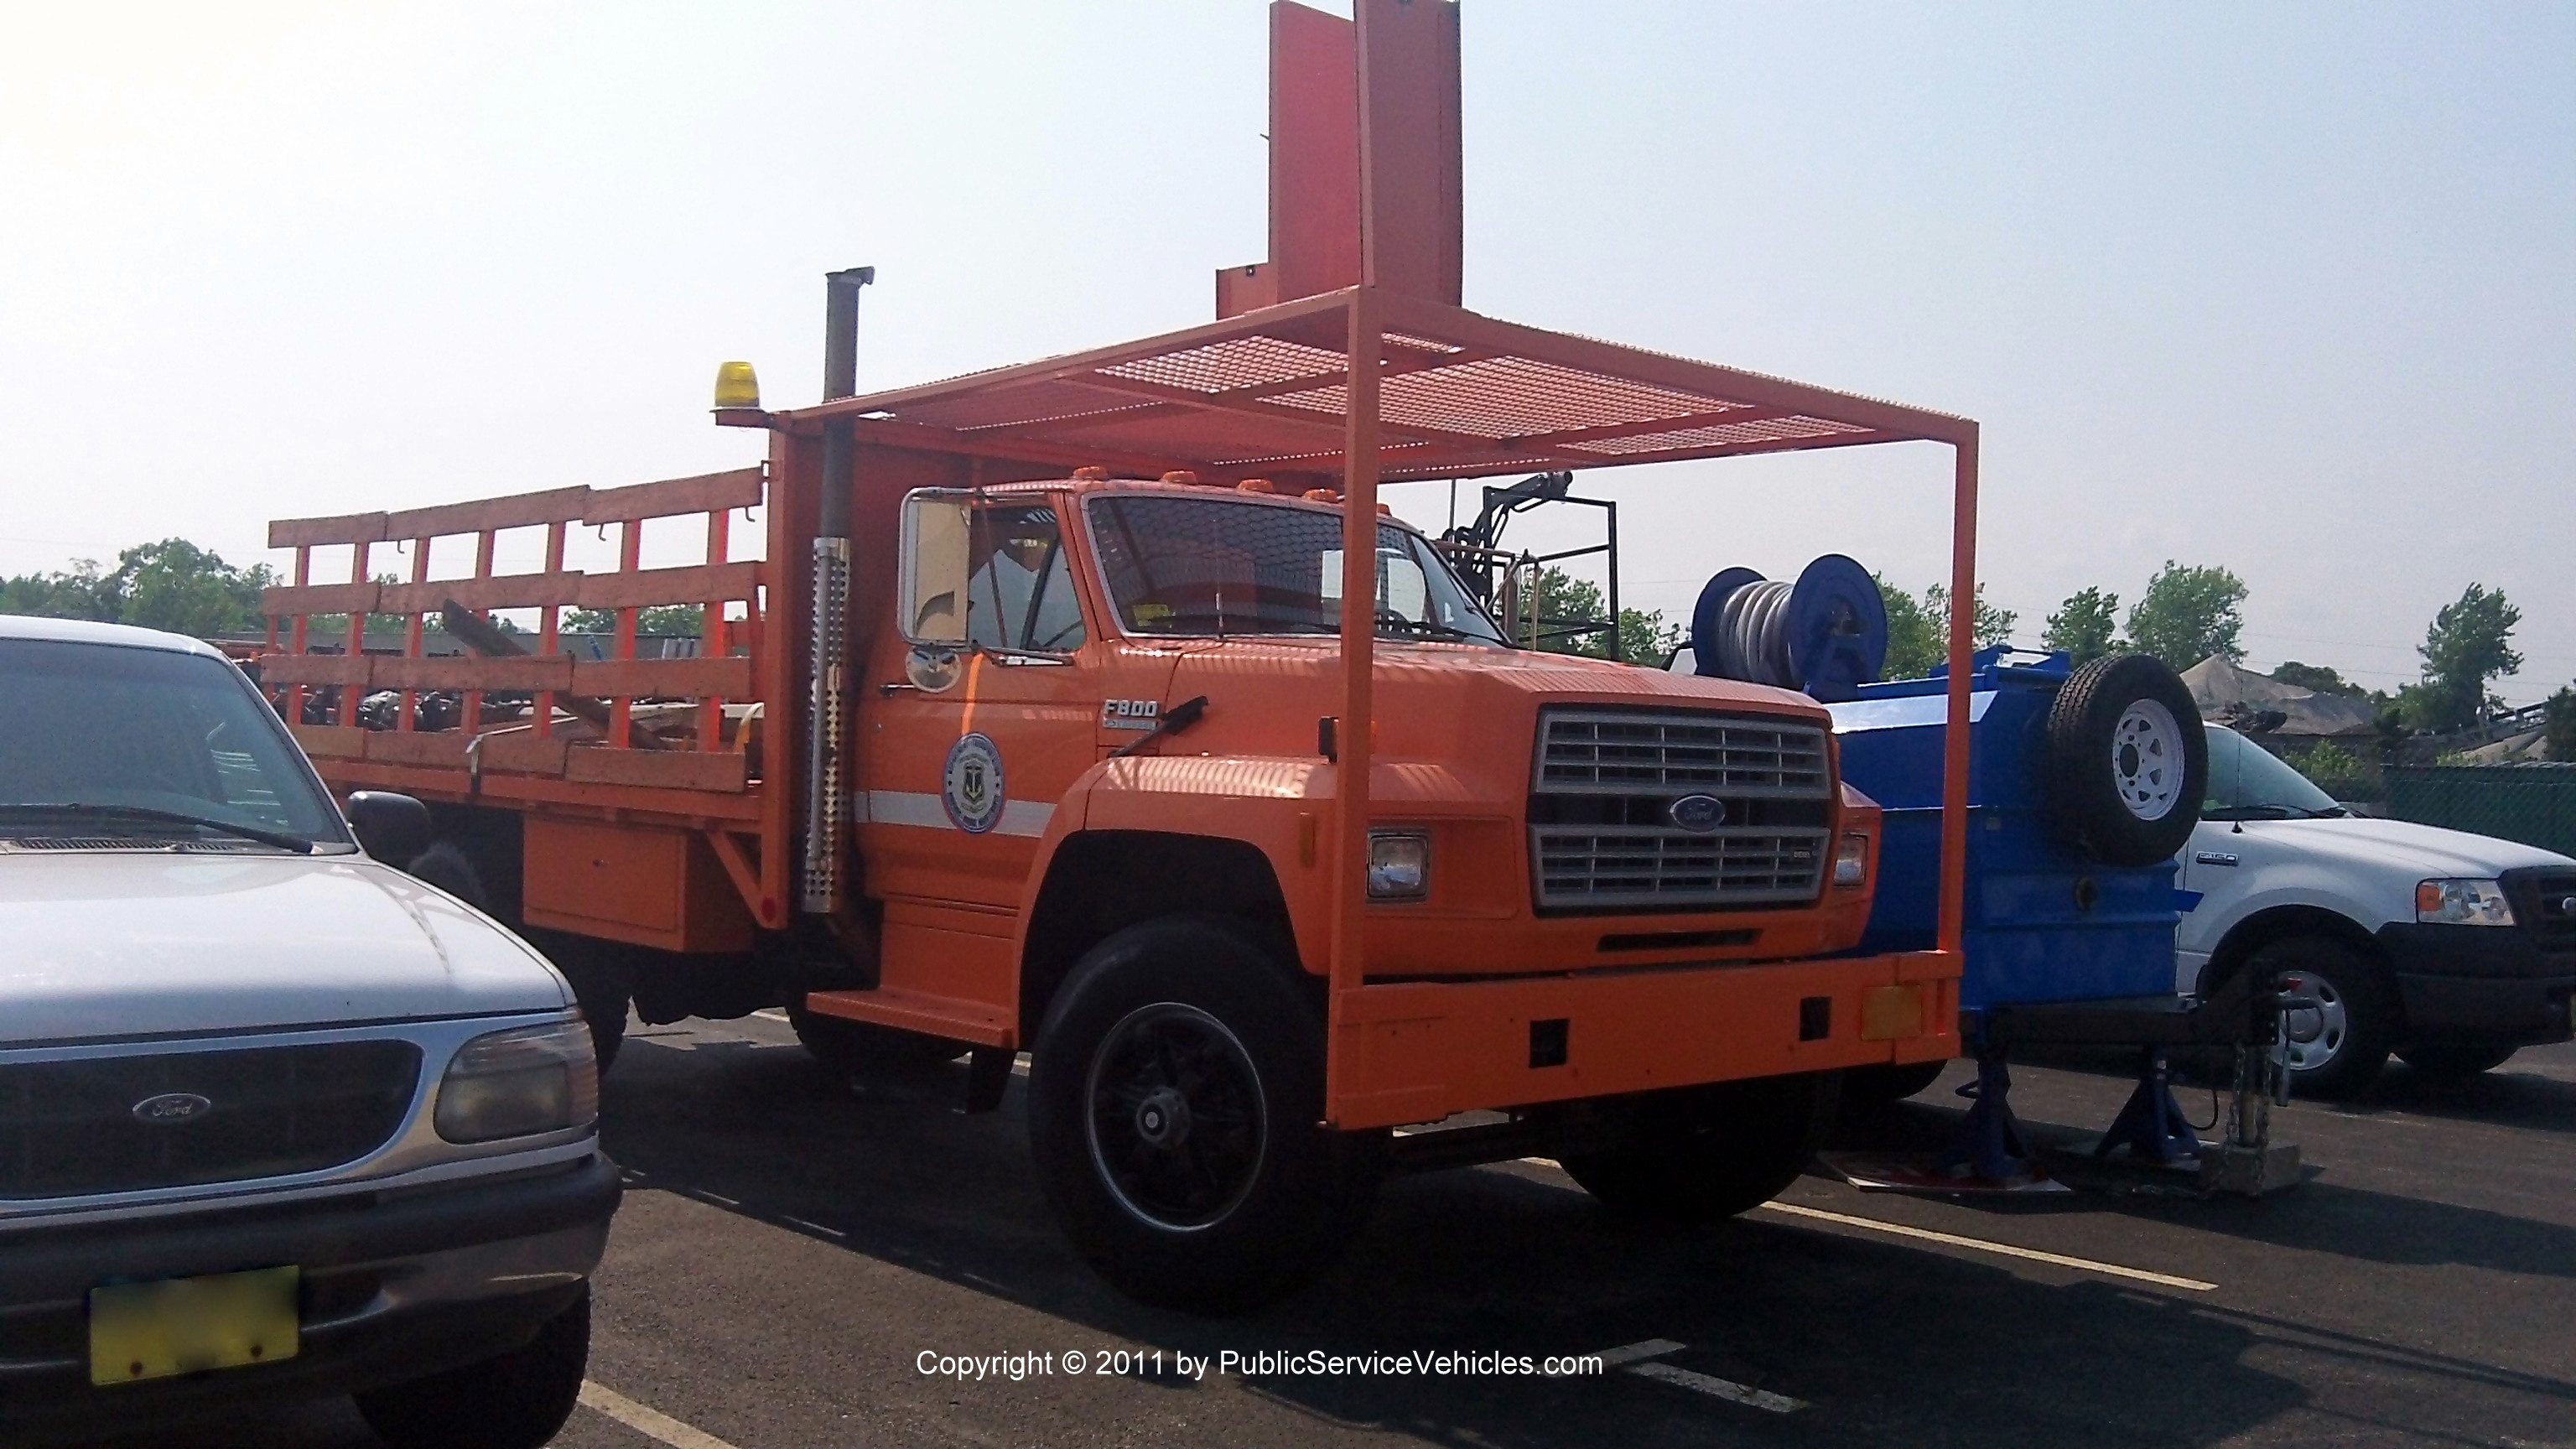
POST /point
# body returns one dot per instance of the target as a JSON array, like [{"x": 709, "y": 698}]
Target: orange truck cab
[{"x": 1044, "y": 725}]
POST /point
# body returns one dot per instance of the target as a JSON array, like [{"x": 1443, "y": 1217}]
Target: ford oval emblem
[
  {"x": 1701, "y": 813},
  {"x": 171, "y": 1107}
]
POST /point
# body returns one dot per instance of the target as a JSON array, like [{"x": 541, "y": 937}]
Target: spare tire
[{"x": 2127, "y": 763}]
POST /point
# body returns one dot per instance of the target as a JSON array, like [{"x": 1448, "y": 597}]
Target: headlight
[
  {"x": 1399, "y": 865},
  {"x": 1851, "y": 860},
  {"x": 520, "y": 1082},
  {"x": 2462, "y": 903}
]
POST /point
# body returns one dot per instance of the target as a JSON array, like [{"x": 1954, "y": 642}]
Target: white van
[
  {"x": 276, "y": 1120},
  {"x": 2450, "y": 950}
]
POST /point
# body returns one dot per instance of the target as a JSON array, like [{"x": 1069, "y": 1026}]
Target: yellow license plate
[{"x": 141, "y": 1331}]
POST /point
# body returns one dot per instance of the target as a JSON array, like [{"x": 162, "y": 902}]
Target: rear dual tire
[{"x": 1175, "y": 1103}]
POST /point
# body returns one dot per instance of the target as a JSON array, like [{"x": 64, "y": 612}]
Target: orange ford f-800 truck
[{"x": 1045, "y": 723}]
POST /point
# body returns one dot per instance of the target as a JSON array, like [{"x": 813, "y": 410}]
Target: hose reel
[{"x": 1825, "y": 635}]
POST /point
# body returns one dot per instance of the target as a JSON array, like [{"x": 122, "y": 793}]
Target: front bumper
[
  {"x": 395, "y": 1287},
  {"x": 2479, "y": 983}
]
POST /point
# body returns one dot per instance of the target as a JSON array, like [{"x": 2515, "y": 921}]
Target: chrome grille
[
  {"x": 1628, "y": 752},
  {"x": 1668, "y": 867},
  {"x": 70, "y": 1128},
  {"x": 1601, "y": 832}
]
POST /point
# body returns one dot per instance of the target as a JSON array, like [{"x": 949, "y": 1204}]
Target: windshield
[
  {"x": 1212, "y": 566},
  {"x": 2247, "y": 781},
  {"x": 138, "y": 737}
]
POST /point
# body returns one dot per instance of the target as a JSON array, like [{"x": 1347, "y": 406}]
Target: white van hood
[
  {"x": 141, "y": 943},
  {"x": 2428, "y": 849}
]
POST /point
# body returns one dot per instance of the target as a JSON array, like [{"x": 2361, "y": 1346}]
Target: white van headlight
[
  {"x": 2462, "y": 903},
  {"x": 520, "y": 1082}
]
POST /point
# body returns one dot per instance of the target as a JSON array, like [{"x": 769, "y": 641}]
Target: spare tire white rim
[{"x": 2147, "y": 760}]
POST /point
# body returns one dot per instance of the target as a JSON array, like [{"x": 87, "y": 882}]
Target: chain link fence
[{"x": 2535, "y": 804}]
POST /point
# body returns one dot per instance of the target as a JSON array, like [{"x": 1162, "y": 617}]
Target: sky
[{"x": 2285, "y": 288}]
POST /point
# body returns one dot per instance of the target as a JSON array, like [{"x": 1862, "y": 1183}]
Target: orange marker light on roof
[
  {"x": 1091, "y": 473},
  {"x": 1322, "y": 495},
  {"x": 1256, "y": 485},
  {"x": 1182, "y": 476}
]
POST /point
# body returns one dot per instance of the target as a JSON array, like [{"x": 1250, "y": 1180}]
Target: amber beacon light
[{"x": 736, "y": 386}]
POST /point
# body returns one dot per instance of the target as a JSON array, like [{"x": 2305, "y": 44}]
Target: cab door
[{"x": 968, "y": 753}]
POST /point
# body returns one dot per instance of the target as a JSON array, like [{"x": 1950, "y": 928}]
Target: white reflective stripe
[
  {"x": 1904, "y": 711},
  {"x": 1024, "y": 817},
  {"x": 907, "y": 807}
]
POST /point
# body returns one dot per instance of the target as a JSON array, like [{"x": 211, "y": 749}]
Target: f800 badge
[{"x": 971, "y": 787}]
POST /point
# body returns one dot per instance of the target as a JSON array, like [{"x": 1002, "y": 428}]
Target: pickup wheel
[
  {"x": 1702, "y": 1153},
  {"x": 861, "y": 1050},
  {"x": 2350, "y": 1027},
  {"x": 1174, "y": 1110},
  {"x": 2126, "y": 763},
  {"x": 516, "y": 1400},
  {"x": 2455, "y": 1061}
]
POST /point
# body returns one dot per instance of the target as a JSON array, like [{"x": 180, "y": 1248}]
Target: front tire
[
  {"x": 1697, "y": 1154},
  {"x": 2354, "y": 1020},
  {"x": 1174, "y": 1110},
  {"x": 515, "y": 1400}
]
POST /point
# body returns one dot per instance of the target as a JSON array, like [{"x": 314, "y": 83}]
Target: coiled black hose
[{"x": 1752, "y": 635}]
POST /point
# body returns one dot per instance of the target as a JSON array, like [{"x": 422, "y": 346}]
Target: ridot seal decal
[{"x": 971, "y": 787}]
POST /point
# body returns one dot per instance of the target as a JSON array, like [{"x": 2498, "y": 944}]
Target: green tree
[
  {"x": 2337, "y": 771},
  {"x": 67, "y": 594},
  {"x": 1918, "y": 630},
  {"x": 2562, "y": 725},
  {"x": 2319, "y": 678},
  {"x": 2189, "y": 614},
  {"x": 1913, "y": 640},
  {"x": 2469, "y": 643},
  {"x": 1645, "y": 635},
  {"x": 2084, "y": 624},
  {"x": 667, "y": 619},
  {"x": 172, "y": 585}
]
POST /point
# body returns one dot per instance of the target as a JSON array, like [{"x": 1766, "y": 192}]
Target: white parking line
[
  {"x": 652, "y": 1423},
  {"x": 1714, "y": 1387},
  {"x": 811, "y": 1227},
  {"x": 1633, "y": 1358},
  {"x": 1631, "y": 1353},
  {"x": 2087, "y": 1265},
  {"x": 768, "y": 1015}
]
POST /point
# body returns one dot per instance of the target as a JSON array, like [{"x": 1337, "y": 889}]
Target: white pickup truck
[
  {"x": 2450, "y": 950},
  {"x": 276, "y": 1120}
]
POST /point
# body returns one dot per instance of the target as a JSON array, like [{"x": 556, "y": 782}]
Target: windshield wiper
[{"x": 278, "y": 838}]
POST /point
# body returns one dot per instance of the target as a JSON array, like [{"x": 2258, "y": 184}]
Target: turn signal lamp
[{"x": 736, "y": 386}]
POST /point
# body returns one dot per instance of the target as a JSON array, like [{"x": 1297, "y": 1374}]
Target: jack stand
[
  {"x": 2151, "y": 1123},
  {"x": 1990, "y": 1143},
  {"x": 2249, "y": 1162}
]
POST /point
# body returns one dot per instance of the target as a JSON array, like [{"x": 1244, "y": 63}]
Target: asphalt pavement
[{"x": 803, "y": 1263}]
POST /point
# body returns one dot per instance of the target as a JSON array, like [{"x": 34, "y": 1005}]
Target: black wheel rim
[{"x": 1174, "y": 1113}]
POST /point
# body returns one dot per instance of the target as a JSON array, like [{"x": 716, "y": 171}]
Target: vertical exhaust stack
[{"x": 827, "y": 786}]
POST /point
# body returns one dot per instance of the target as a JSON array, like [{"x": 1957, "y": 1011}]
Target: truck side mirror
[
  {"x": 930, "y": 590},
  {"x": 392, "y": 828}
]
